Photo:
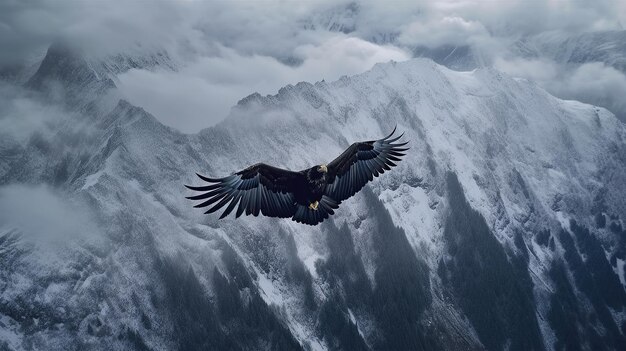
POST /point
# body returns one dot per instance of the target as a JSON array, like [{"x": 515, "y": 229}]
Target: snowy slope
[
  {"x": 589, "y": 66},
  {"x": 141, "y": 268}
]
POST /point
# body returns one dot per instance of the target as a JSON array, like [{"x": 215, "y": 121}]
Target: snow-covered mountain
[
  {"x": 590, "y": 66},
  {"x": 502, "y": 228},
  {"x": 83, "y": 77}
]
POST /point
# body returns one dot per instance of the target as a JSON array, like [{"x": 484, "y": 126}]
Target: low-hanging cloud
[
  {"x": 598, "y": 84},
  {"x": 446, "y": 31},
  {"x": 22, "y": 113},
  {"x": 522, "y": 17},
  {"x": 202, "y": 93},
  {"x": 43, "y": 215},
  {"x": 100, "y": 27},
  {"x": 594, "y": 83},
  {"x": 275, "y": 28},
  {"x": 540, "y": 70}
]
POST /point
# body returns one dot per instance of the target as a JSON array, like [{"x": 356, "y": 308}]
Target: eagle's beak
[{"x": 322, "y": 168}]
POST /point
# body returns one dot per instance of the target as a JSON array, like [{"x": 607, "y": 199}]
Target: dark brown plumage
[{"x": 308, "y": 196}]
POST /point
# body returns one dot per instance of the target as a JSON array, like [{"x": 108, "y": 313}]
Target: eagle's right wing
[
  {"x": 360, "y": 163},
  {"x": 257, "y": 189}
]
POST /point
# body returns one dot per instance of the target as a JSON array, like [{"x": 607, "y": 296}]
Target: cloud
[
  {"x": 598, "y": 84},
  {"x": 202, "y": 93},
  {"x": 101, "y": 27},
  {"x": 540, "y": 70},
  {"x": 227, "y": 50},
  {"x": 521, "y": 17},
  {"x": 446, "y": 31},
  {"x": 43, "y": 214},
  {"x": 594, "y": 83},
  {"x": 275, "y": 28},
  {"x": 22, "y": 113}
]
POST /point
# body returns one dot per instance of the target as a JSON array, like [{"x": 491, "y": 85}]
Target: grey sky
[{"x": 226, "y": 50}]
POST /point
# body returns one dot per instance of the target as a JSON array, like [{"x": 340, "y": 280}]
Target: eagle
[{"x": 308, "y": 196}]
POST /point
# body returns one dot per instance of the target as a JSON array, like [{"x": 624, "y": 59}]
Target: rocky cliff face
[{"x": 502, "y": 229}]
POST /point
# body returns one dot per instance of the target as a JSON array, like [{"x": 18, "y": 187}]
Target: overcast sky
[{"x": 226, "y": 50}]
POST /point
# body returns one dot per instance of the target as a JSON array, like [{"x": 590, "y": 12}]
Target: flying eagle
[{"x": 308, "y": 196}]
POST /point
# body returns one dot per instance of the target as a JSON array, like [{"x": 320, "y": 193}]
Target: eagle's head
[{"x": 317, "y": 173}]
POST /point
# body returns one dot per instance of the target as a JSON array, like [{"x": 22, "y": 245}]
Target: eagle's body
[
  {"x": 315, "y": 185},
  {"x": 308, "y": 196}
]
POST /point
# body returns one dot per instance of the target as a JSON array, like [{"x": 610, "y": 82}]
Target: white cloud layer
[
  {"x": 227, "y": 50},
  {"x": 444, "y": 31},
  {"x": 599, "y": 84},
  {"x": 21, "y": 114},
  {"x": 594, "y": 83},
  {"x": 44, "y": 215}
]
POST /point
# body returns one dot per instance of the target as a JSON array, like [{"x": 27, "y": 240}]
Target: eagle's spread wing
[
  {"x": 360, "y": 163},
  {"x": 257, "y": 189}
]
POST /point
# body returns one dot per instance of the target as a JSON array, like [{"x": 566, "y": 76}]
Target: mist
[{"x": 43, "y": 212}]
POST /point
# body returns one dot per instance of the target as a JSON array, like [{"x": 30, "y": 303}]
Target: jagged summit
[
  {"x": 66, "y": 64},
  {"x": 66, "y": 56},
  {"x": 69, "y": 73}
]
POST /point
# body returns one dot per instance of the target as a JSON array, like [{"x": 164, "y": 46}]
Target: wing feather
[
  {"x": 232, "y": 204},
  {"x": 258, "y": 189},
  {"x": 324, "y": 210},
  {"x": 361, "y": 163}
]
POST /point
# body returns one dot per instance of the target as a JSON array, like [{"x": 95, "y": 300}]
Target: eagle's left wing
[{"x": 360, "y": 163}]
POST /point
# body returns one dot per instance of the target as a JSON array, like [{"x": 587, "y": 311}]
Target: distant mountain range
[
  {"x": 503, "y": 228},
  {"x": 564, "y": 50}
]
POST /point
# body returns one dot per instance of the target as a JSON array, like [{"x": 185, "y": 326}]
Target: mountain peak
[
  {"x": 64, "y": 63},
  {"x": 65, "y": 69}
]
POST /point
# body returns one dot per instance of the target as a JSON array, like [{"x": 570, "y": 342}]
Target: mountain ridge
[{"x": 525, "y": 162}]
